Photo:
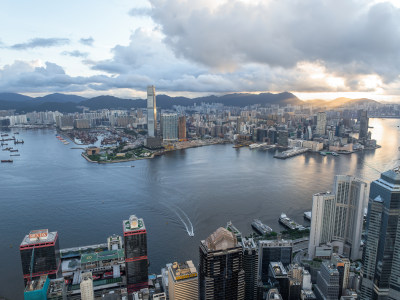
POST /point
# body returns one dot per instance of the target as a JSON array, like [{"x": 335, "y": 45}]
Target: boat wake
[{"x": 183, "y": 217}]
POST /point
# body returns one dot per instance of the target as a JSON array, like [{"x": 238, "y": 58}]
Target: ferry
[
  {"x": 15, "y": 154},
  {"x": 289, "y": 223},
  {"x": 260, "y": 227},
  {"x": 322, "y": 153},
  {"x": 16, "y": 150},
  {"x": 6, "y": 160}
]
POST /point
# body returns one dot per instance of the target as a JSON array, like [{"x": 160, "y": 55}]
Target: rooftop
[
  {"x": 277, "y": 269},
  {"x": 221, "y": 239},
  {"x": 103, "y": 255},
  {"x": 38, "y": 237},
  {"x": 36, "y": 284},
  {"x": 133, "y": 224},
  {"x": 181, "y": 271},
  {"x": 392, "y": 176}
]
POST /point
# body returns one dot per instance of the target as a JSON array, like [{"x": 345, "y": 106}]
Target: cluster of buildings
[
  {"x": 288, "y": 126},
  {"x": 349, "y": 257}
]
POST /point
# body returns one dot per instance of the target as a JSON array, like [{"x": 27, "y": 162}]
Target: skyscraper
[
  {"x": 273, "y": 251},
  {"x": 321, "y": 123},
  {"x": 86, "y": 286},
  {"x": 351, "y": 195},
  {"x": 381, "y": 256},
  {"x": 183, "y": 281},
  {"x": 135, "y": 241},
  {"x": 169, "y": 124},
  {"x": 151, "y": 111},
  {"x": 40, "y": 254},
  {"x": 363, "y": 119},
  {"x": 322, "y": 219},
  {"x": 182, "y": 128},
  {"x": 221, "y": 274},
  {"x": 250, "y": 266},
  {"x": 338, "y": 219}
]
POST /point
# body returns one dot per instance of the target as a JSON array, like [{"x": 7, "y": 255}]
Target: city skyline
[{"x": 67, "y": 50}]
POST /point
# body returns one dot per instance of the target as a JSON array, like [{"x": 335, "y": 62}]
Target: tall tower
[
  {"x": 381, "y": 256},
  {"x": 169, "y": 124},
  {"x": 338, "y": 218},
  {"x": 40, "y": 254},
  {"x": 182, "y": 128},
  {"x": 351, "y": 194},
  {"x": 151, "y": 111},
  {"x": 321, "y": 123},
  {"x": 363, "y": 118},
  {"x": 86, "y": 286},
  {"x": 327, "y": 286},
  {"x": 221, "y": 274},
  {"x": 136, "y": 262},
  {"x": 250, "y": 266},
  {"x": 322, "y": 219}
]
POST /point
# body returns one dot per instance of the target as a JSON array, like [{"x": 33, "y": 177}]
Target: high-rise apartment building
[
  {"x": 136, "y": 262},
  {"x": 338, "y": 218},
  {"x": 182, "y": 281},
  {"x": 169, "y": 125},
  {"x": 86, "y": 286},
  {"x": 381, "y": 256},
  {"x": 221, "y": 274},
  {"x": 151, "y": 111},
  {"x": 363, "y": 119},
  {"x": 322, "y": 220},
  {"x": 273, "y": 251},
  {"x": 351, "y": 195},
  {"x": 250, "y": 266},
  {"x": 182, "y": 128},
  {"x": 40, "y": 254},
  {"x": 327, "y": 287},
  {"x": 321, "y": 123}
]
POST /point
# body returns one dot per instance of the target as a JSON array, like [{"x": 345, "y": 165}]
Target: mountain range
[{"x": 73, "y": 103}]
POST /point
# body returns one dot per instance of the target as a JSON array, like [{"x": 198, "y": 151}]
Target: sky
[{"x": 316, "y": 49}]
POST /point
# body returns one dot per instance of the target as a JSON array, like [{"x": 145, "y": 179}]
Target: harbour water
[{"x": 51, "y": 186}]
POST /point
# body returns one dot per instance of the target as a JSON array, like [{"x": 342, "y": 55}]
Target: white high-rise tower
[{"x": 151, "y": 111}]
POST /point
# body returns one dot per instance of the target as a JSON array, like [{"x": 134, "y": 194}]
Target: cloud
[
  {"x": 348, "y": 36},
  {"x": 40, "y": 42},
  {"x": 87, "y": 41},
  {"x": 75, "y": 53},
  {"x": 140, "y": 12}
]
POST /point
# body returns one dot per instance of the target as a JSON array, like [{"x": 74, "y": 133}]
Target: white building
[
  {"x": 337, "y": 219},
  {"x": 87, "y": 286},
  {"x": 322, "y": 219},
  {"x": 169, "y": 124}
]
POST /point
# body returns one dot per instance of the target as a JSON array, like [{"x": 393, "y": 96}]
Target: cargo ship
[
  {"x": 260, "y": 227},
  {"x": 6, "y": 160}
]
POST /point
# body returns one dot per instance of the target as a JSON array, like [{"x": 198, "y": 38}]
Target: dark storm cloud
[
  {"x": 75, "y": 53},
  {"x": 40, "y": 42},
  {"x": 87, "y": 41}
]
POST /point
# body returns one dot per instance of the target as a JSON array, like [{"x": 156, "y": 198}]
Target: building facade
[
  {"x": 381, "y": 257},
  {"x": 136, "y": 261},
  {"x": 321, "y": 123},
  {"x": 169, "y": 124},
  {"x": 40, "y": 254},
  {"x": 151, "y": 111},
  {"x": 273, "y": 251},
  {"x": 250, "y": 266},
  {"x": 86, "y": 286},
  {"x": 221, "y": 274},
  {"x": 182, "y": 281}
]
